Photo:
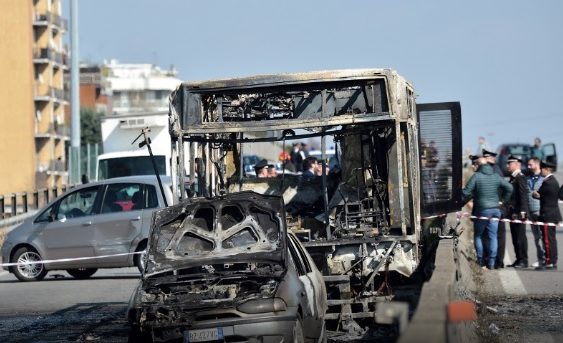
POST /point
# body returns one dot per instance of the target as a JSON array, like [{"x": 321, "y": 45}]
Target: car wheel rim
[{"x": 28, "y": 267}]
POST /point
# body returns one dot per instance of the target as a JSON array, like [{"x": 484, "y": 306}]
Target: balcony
[
  {"x": 44, "y": 19},
  {"x": 52, "y": 167},
  {"x": 46, "y": 55},
  {"x": 56, "y": 131},
  {"x": 44, "y": 92}
]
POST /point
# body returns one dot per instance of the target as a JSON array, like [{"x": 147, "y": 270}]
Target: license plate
[{"x": 203, "y": 335}]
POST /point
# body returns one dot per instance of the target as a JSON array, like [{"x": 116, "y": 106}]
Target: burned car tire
[
  {"x": 139, "y": 259},
  {"x": 28, "y": 272},
  {"x": 82, "y": 273}
]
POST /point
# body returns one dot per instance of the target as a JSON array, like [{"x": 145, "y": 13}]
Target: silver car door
[
  {"x": 310, "y": 316},
  {"x": 71, "y": 233},
  {"x": 119, "y": 223},
  {"x": 152, "y": 199}
]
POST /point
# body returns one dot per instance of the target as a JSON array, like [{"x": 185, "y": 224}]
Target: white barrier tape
[
  {"x": 68, "y": 259},
  {"x": 506, "y": 220}
]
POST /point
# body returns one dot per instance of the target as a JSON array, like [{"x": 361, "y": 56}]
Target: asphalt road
[
  {"x": 523, "y": 305},
  {"x": 63, "y": 309}
]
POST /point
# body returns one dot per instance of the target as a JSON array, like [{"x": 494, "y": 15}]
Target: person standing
[
  {"x": 482, "y": 144},
  {"x": 549, "y": 213},
  {"x": 261, "y": 169},
  {"x": 517, "y": 209},
  {"x": 537, "y": 151},
  {"x": 297, "y": 157},
  {"x": 491, "y": 159},
  {"x": 535, "y": 180},
  {"x": 484, "y": 188},
  {"x": 310, "y": 167}
]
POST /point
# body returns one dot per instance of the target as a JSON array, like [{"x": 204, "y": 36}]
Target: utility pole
[{"x": 74, "y": 173}]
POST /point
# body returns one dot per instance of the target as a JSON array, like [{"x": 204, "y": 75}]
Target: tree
[{"x": 90, "y": 126}]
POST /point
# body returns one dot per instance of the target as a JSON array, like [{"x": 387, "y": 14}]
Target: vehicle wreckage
[
  {"x": 379, "y": 213},
  {"x": 219, "y": 269}
]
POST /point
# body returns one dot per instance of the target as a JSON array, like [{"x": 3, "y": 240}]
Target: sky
[{"x": 502, "y": 59}]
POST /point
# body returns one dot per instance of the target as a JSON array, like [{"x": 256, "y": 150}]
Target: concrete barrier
[{"x": 452, "y": 280}]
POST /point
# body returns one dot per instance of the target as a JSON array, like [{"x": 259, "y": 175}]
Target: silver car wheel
[{"x": 30, "y": 269}]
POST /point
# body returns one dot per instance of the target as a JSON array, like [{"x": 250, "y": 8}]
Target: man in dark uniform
[
  {"x": 517, "y": 209},
  {"x": 549, "y": 213}
]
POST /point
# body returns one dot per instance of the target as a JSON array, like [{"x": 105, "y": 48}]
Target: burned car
[{"x": 227, "y": 269}]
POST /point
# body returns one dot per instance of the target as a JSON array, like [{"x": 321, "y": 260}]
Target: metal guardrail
[{"x": 18, "y": 204}]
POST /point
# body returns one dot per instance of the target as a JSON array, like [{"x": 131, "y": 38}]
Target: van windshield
[{"x": 127, "y": 166}]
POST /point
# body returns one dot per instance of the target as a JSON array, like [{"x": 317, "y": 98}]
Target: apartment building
[
  {"x": 95, "y": 91},
  {"x": 139, "y": 87},
  {"x": 33, "y": 130}
]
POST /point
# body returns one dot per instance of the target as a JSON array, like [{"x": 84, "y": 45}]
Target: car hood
[{"x": 234, "y": 228}]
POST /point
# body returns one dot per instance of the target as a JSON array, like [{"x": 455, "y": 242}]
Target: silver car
[
  {"x": 226, "y": 269},
  {"x": 95, "y": 225}
]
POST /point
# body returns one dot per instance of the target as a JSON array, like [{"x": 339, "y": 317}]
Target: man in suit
[
  {"x": 535, "y": 180},
  {"x": 549, "y": 213},
  {"x": 517, "y": 209},
  {"x": 310, "y": 167}
]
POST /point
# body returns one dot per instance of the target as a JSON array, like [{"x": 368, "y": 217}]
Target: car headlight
[{"x": 263, "y": 306}]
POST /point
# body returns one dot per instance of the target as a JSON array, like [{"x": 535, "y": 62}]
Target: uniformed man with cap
[
  {"x": 261, "y": 169},
  {"x": 476, "y": 161},
  {"x": 491, "y": 159},
  {"x": 517, "y": 209},
  {"x": 549, "y": 213}
]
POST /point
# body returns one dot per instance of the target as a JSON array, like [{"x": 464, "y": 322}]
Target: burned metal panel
[
  {"x": 440, "y": 157},
  {"x": 243, "y": 226},
  {"x": 283, "y": 104}
]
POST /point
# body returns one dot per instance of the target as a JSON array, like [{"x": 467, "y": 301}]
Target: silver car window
[
  {"x": 152, "y": 200},
  {"x": 44, "y": 216},
  {"x": 122, "y": 197},
  {"x": 78, "y": 204}
]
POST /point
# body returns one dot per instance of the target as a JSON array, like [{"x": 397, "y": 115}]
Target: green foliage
[{"x": 90, "y": 126}]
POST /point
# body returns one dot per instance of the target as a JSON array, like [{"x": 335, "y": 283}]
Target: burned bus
[{"x": 374, "y": 213}]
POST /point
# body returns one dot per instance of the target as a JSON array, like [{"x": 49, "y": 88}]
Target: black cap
[
  {"x": 513, "y": 158},
  {"x": 487, "y": 153},
  {"x": 261, "y": 164},
  {"x": 474, "y": 157},
  {"x": 547, "y": 164}
]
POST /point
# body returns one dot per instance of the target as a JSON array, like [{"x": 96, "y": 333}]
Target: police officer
[
  {"x": 517, "y": 209},
  {"x": 549, "y": 213}
]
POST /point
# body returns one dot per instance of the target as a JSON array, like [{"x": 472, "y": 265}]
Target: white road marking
[{"x": 510, "y": 280}]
